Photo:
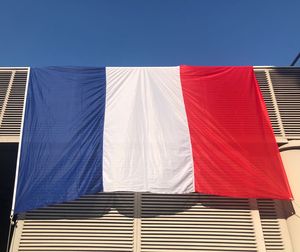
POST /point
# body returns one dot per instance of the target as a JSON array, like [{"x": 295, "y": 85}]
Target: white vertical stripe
[{"x": 146, "y": 137}]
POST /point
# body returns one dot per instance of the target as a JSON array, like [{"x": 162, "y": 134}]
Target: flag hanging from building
[{"x": 146, "y": 129}]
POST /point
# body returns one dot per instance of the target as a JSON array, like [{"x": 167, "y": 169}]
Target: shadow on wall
[
  {"x": 153, "y": 205},
  {"x": 195, "y": 213},
  {"x": 8, "y": 157}
]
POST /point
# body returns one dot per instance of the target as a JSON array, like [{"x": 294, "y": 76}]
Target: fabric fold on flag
[
  {"x": 234, "y": 149},
  {"x": 146, "y": 137}
]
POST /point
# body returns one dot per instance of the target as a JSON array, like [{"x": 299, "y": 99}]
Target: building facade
[{"x": 125, "y": 221}]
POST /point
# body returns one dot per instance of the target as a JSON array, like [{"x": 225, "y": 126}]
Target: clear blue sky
[{"x": 149, "y": 32}]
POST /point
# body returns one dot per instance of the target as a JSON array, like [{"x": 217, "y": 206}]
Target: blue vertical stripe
[{"x": 62, "y": 143}]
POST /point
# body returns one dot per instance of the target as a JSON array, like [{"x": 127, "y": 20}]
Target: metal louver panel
[
  {"x": 101, "y": 222},
  {"x": 266, "y": 92},
  {"x": 12, "y": 116},
  {"x": 272, "y": 226},
  {"x": 196, "y": 223},
  {"x": 152, "y": 222},
  {"x": 4, "y": 82},
  {"x": 286, "y": 84}
]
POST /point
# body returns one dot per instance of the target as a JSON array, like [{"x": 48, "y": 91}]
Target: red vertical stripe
[{"x": 234, "y": 148}]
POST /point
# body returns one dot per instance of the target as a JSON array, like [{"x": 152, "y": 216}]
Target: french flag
[{"x": 146, "y": 129}]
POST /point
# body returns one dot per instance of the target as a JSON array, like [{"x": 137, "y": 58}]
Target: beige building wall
[{"x": 290, "y": 154}]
